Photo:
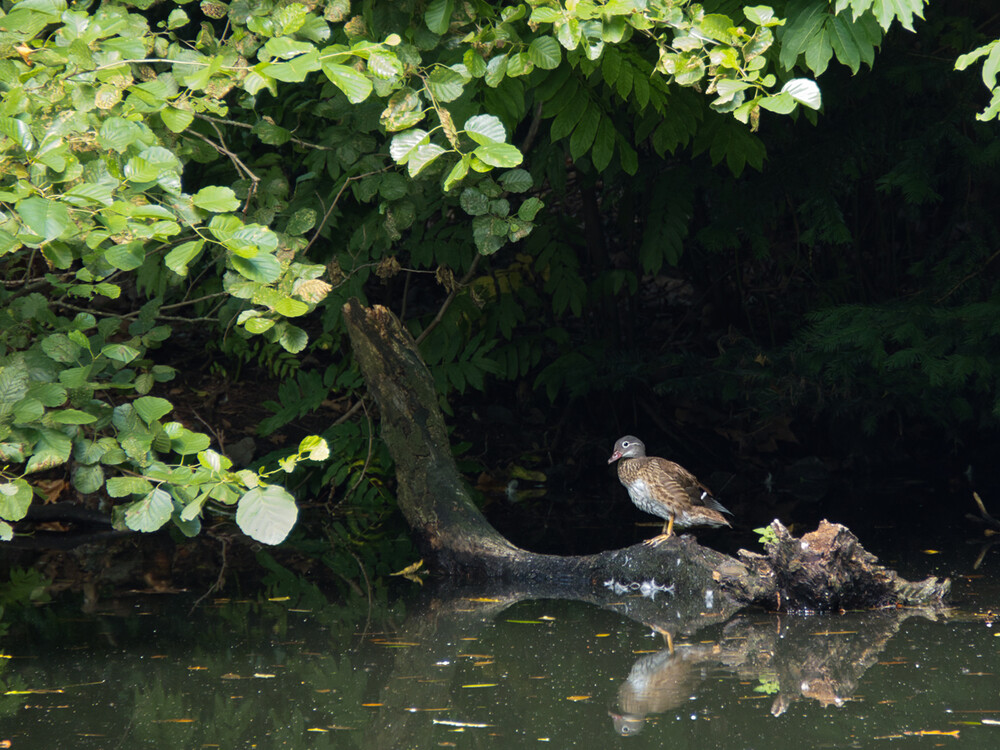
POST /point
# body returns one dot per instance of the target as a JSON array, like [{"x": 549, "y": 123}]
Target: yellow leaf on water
[
  {"x": 931, "y": 552},
  {"x": 482, "y": 685},
  {"x": 409, "y": 569},
  {"x": 578, "y": 697}
]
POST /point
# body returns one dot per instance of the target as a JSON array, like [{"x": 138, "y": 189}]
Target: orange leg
[{"x": 668, "y": 531}]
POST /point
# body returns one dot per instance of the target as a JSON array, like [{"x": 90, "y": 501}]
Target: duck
[{"x": 665, "y": 489}]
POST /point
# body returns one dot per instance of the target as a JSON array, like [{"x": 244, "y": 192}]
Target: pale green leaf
[
  {"x": 216, "y": 199},
  {"x": 499, "y": 154},
  {"x": 267, "y": 514},
  {"x": 15, "y": 498},
  {"x": 150, "y": 513},
  {"x": 44, "y": 217}
]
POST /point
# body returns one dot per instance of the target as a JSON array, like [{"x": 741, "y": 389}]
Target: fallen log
[{"x": 826, "y": 570}]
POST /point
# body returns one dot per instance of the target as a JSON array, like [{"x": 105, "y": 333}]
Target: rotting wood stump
[{"x": 827, "y": 570}]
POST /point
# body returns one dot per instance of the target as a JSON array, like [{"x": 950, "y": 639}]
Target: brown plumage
[{"x": 665, "y": 489}]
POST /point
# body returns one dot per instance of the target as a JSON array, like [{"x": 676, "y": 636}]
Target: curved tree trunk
[{"x": 825, "y": 570}]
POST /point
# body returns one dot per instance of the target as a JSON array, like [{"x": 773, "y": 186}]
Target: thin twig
[
  {"x": 448, "y": 300},
  {"x": 962, "y": 281},
  {"x": 368, "y": 458},
  {"x": 123, "y": 316},
  {"x": 219, "y": 581},
  {"x": 248, "y": 126},
  {"x": 237, "y": 162},
  {"x": 322, "y": 223}
]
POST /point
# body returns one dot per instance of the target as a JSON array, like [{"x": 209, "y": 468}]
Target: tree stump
[{"x": 826, "y": 570}]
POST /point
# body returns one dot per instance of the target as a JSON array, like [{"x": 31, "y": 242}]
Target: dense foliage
[{"x": 515, "y": 181}]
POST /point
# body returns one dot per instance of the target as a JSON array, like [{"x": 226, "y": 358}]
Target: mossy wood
[{"x": 825, "y": 570}]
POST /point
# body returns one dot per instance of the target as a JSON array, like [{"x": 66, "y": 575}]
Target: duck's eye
[{"x": 625, "y": 444}]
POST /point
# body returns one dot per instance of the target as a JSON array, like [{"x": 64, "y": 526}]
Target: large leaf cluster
[{"x": 246, "y": 167}]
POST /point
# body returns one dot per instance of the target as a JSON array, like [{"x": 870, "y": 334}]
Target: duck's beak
[{"x": 614, "y": 457}]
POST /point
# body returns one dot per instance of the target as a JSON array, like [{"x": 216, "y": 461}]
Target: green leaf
[
  {"x": 545, "y": 52},
  {"x": 177, "y": 260},
  {"x": 216, "y": 199},
  {"x": 422, "y": 156},
  {"x": 804, "y": 91},
  {"x": 290, "y": 308},
  {"x": 529, "y": 209},
  {"x": 52, "y": 449},
  {"x": 118, "y": 134},
  {"x": 356, "y": 86},
  {"x": 586, "y": 129},
  {"x": 184, "y": 441},
  {"x": 120, "y": 352},
  {"x": 189, "y": 527},
  {"x": 258, "y": 324},
  {"x": 316, "y": 448},
  {"x": 125, "y": 486},
  {"x": 15, "y": 498},
  {"x": 61, "y": 348},
  {"x": 405, "y": 144},
  {"x": 604, "y": 144},
  {"x": 28, "y": 410},
  {"x": 438, "y": 15},
  {"x": 296, "y": 69},
  {"x": 759, "y": 14},
  {"x": 782, "y": 103},
  {"x": 72, "y": 416},
  {"x": 496, "y": 69},
  {"x": 150, "y": 513},
  {"x": 176, "y": 120},
  {"x": 214, "y": 461},
  {"x": 271, "y": 134},
  {"x": 516, "y": 180},
  {"x": 127, "y": 257},
  {"x": 263, "y": 268},
  {"x": 50, "y": 395},
  {"x": 18, "y": 131},
  {"x": 484, "y": 129},
  {"x": 177, "y": 18},
  {"x": 473, "y": 202},
  {"x": 267, "y": 514},
  {"x": 457, "y": 173},
  {"x": 152, "y": 408},
  {"x": 445, "y": 84},
  {"x": 293, "y": 339},
  {"x": 88, "y": 478},
  {"x": 6, "y": 531},
  {"x": 44, "y": 217},
  {"x": 499, "y": 155}
]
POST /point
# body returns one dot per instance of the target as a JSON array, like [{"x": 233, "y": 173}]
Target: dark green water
[{"x": 147, "y": 673}]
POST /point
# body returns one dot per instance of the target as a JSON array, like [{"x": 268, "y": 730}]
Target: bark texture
[{"x": 826, "y": 570}]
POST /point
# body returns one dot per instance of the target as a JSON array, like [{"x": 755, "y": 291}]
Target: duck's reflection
[
  {"x": 659, "y": 682},
  {"x": 817, "y": 658}
]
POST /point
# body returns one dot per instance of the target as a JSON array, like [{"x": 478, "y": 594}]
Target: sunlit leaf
[
  {"x": 151, "y": 512},
  {"x": 267, "y": 514}
]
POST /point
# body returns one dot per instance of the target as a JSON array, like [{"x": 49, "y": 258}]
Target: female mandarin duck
[{"x": 665, "y": 489}]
